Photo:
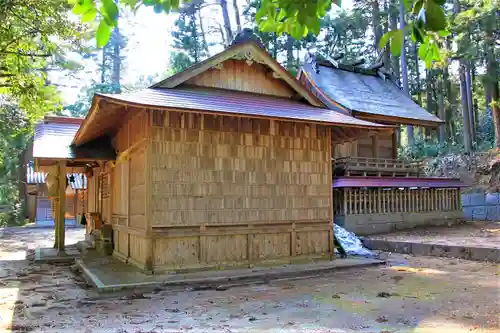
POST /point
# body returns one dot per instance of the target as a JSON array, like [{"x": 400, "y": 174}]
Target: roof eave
[
  {"x": 114, "y": 99},
  {"x": 88, "y": 118},
  {"x": 396, "y": 120}
]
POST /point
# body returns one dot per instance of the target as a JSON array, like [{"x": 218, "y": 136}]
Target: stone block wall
[{"x": 481, "y": 206}]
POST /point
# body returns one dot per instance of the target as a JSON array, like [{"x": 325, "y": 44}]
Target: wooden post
[
  {"x": 61, "y": 205},
  {"x": 345, "y": 200}
]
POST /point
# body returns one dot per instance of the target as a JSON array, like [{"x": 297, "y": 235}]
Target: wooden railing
[
  {"x": 365, "y": 166},
  {"x": 385, "y": 201}
]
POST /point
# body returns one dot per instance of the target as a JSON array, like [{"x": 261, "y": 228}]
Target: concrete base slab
[
  {"x": 433, "y": 249},
  {"x": 51, "y": 255},
  {"x": 108, "y": 274}
]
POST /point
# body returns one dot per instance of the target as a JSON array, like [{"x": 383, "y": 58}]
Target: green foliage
[
  {"x": 187, "y": 40},
  {"x": 36, "y": 33}
]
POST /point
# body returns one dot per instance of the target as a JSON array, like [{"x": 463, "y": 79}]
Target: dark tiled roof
[
  {"x": 340, "y": 182},
  {"x": 367, "y": 93},
  {"x": 33, "y": 177},
  {"x": 53, "y": 141},
  {"x": 233, "y": 102}
]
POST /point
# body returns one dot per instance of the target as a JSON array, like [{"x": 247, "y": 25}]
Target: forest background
[{"x": 50, "y": 63}]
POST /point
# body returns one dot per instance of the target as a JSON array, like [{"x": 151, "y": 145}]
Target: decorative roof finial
[
  {"x": 310, "y": 58},
  {"x": 245, "y": 35}
]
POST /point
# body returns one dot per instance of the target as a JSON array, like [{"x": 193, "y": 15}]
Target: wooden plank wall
[
  {"x": 238, "y": 75},
  {"x": 129, "y": 188},
  {"x": 234, "y": 191},
  {"x": 376, "y": 146}
]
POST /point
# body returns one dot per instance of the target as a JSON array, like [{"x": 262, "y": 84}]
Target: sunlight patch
[
  {"x": 18, "y": 255},
  {"x": 8, "y": 297},
  {"x": 419, "y": 270}
]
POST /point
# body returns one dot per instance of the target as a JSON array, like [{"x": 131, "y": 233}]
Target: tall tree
[
  {"x": 393, "y": 24},
  {"x": 491, "y": 27},
  {"x": 404, "y": 70},
  {"x": 465, "y": 110},
  {"x": 227, "y": 21},
  {"x": 441, "y": 111},
  {"x": 188, "y": 43},
  {"x": 237, "y": 16}
]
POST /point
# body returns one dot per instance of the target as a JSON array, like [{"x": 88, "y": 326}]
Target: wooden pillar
[
  {"x": 395, "y": 144},
  {"x": 375, "y": 146},
  {"x": 61, "y": 206},
  {"x": 345, "y": 200}
]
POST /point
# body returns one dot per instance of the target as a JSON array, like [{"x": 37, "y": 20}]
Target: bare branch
[{"x": 25, "y": 54}]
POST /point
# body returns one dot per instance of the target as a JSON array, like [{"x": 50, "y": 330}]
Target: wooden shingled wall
[{"x": 236, "y": 191}]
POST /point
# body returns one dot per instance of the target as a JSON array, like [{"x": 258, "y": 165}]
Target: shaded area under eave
[
  {"x": 394, "y": 182},
  {"x": 53, "y": 141},
  {"x": 367, "y": 96}
]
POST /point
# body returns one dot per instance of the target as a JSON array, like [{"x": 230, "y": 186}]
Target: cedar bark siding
[{"x": 231, "y": 191}]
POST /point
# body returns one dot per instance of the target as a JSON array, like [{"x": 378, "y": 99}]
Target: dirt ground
[
  {"x": 474, "y": 234},
  {"x": 410, "y": 294}
]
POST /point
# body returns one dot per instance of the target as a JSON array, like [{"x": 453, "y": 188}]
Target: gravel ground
[
  {"x": 474, "y": 234},
  {"x": 409, "y": 295}
]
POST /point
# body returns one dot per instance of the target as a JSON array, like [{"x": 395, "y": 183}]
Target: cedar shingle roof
[
  {"x": 241, "y": 103},
  {"x": 53, "y": 141},
  {"x": 368, "y": 94}
]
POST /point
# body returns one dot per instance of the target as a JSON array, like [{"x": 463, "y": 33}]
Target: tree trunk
[
  {"x": 386, "y": 55},
  {"x": 227, "y": 22},
  {"x": 492, "y": 76},
  {"x": 404, "y": 69},
  {"x": 417, "y": 73},
  {"x": 465, "y": 110},
  {"x": 289, "y": 53},
  {"x": 202, "y": 32},
  {"x": 275, "y": 45},
  {"x": 449, "y": 96},
  {"x": 117, "y": 60},
  {"x": 470, "y": 105},
  {"x": 429, "y": 78},
  {"x": 441, "y": 112},
  {"x": 377, "y": 29},
  {"x": 237, "y": 16},
  {"x": 393, "y": 21}
]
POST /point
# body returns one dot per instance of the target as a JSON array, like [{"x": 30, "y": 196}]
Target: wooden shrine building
[
  {"x": 39, "y": 208},
  {"x": 225, "y": 164},
  {"x": 374, "y": 191}
]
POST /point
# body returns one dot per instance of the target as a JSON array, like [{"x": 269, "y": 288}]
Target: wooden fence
[{"x": 351, "y": 201}]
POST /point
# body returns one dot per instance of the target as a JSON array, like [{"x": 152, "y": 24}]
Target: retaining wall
[{"x": 481, "y": 206}]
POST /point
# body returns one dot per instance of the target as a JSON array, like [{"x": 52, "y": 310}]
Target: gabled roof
[
  {"x": 366, "y": 95},
  {"x": 53, "y": 140},
  {"x": 249, "y": 51},
  {"x": 221, "y": 101}
]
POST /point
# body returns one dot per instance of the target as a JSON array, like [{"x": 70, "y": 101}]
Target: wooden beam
[{"x": 61, "y": 205}]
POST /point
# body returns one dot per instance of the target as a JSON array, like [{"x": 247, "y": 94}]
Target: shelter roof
[
  {"x": 393, "y": 182},
  {"x": 53, "y": 138},
  {"x": 365, "y": 94}
]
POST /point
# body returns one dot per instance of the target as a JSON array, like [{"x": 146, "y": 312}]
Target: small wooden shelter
[
  {"x": 40, "y": 208},
  {"x": 374, "y": 191},
  {"x": 225, "y": 164}
]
